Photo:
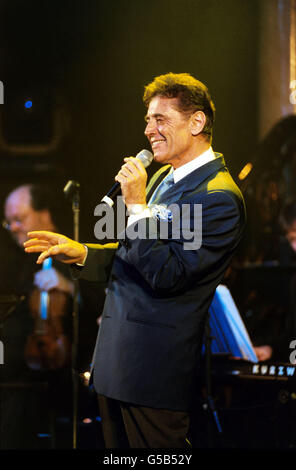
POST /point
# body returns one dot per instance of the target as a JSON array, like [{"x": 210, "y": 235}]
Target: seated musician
[
  {"x": 27, "y": 207},
  {"x": 286, "y": 256},
  {"x": 27, "y": 359}
]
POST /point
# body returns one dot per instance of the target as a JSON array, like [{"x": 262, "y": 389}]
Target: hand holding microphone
[{"x": 131, "y": 180}]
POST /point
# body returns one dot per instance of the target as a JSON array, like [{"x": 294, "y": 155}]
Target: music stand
[
  {"x": 225, "y": 333},
  {"x": 229, "y": 334}
]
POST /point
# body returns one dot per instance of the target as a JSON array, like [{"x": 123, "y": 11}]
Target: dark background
[
  {"x": 85, "y": 63},
  {"x": 89, "y": 62}
]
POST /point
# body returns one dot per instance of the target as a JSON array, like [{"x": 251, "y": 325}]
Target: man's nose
[
  {"x": 14, "y": 226},
  {"x": 150, "y": 129}
]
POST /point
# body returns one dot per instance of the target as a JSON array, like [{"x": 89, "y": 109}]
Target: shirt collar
[{"x": 197, "y": 162}]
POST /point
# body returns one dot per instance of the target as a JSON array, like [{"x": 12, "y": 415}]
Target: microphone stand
[{"x": 71, "y": 191}]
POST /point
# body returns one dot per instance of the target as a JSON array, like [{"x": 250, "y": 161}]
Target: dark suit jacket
[{"x": 150, "y": 336}]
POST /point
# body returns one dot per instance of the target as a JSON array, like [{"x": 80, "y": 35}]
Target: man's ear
[{"x": 198, "y": 122}]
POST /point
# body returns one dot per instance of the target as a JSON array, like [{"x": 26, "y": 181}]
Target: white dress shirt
[{"x": 138, "y": 211}]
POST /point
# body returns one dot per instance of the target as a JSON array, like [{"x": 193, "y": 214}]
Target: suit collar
[
  {"x": 191, "y": 181},
  {"x": 196, "y": 177},
  {"x": 194, "y": 164}
]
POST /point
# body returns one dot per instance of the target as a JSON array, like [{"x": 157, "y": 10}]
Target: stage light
[
  {"x": 245, "y": 171},
  {"x": 28, "y": 104},
  {"x": 85, "y": 376},
  {"x": 87, "y": 421}
]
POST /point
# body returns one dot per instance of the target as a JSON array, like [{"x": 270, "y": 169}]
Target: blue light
[{"x": 28, "y": 104}]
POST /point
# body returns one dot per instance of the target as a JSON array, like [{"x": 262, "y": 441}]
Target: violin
[{"x": 48, "y": 347}]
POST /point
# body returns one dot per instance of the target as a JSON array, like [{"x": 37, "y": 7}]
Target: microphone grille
[{"x": 145, "y": 157}]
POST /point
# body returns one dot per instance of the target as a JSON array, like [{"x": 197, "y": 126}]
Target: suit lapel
[{"x": 156, "y": 180}]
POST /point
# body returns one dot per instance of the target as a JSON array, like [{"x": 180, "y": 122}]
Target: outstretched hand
[{"x": 55, "y": 245}]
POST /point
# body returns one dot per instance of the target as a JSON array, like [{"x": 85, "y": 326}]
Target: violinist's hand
[
  {"x": 55, "y": 245},
  {"x": 52, "y": 279},
  {"x": 263, "y": 353}
]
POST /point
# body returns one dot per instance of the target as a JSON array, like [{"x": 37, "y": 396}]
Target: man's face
[
  {"x": 169, "y": 132},
  {"x": 291, "y": 235},
  {"x": 20, "y": 216}
]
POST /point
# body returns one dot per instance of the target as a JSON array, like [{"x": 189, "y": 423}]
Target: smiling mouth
[{"x": 157, "y": 142}]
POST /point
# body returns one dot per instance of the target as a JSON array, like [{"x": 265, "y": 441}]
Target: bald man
[
  {"x": 23, "y": 413},
  {"x": 27, "y": 208}
]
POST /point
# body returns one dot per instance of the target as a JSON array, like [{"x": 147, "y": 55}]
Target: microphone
[{"x": 146, "y": 158}]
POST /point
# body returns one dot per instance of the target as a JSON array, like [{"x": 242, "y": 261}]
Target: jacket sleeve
[
  {"x": 98, "y": 263},
  {"x": 165, "y": 263}
]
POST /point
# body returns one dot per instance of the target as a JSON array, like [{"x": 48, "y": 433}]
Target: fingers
[
  {"x": 41, "y": 241},
  {"x": 46, "y": 236},
  {"x": 54, "y": 244},
  {"x": 43, "y": 256},
  {"x": 35, "y": 245},
  {"x": 53, "y": 251},
  {"x": 69, "y": 253},
  {"x": 36, "y": 249},
  {"x": 135, "y": 165},
  {"x": 132, "y": 168},
  {"x": 42, "y": 235},
  {"x": 127, "y": 171},
  {"x": 131, "y": 171}
]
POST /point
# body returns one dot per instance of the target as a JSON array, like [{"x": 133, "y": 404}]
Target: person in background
[
  {"x": 278, "y": 346},
  {"x": 27, "y": 207},
  {"x": 29, "y": 364}
]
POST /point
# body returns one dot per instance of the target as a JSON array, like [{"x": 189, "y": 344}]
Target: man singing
[{"x": 159, "y": 293}]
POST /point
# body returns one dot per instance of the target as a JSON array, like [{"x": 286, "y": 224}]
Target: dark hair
[
  {"x": 192, "y": 94},
  {"x": 287, "y": 215},
  {"x": 51, "y": 198}
]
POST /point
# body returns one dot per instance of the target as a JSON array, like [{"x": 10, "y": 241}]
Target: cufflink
[{"x": 135, "y": 209}]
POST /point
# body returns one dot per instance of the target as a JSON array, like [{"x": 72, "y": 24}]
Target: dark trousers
[{"x": 130, "y": 426}]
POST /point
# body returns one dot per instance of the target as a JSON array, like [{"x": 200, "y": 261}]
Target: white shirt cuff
[
  {"x": 137, "y": 212},
  {"x": 83, "y": 262}
]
